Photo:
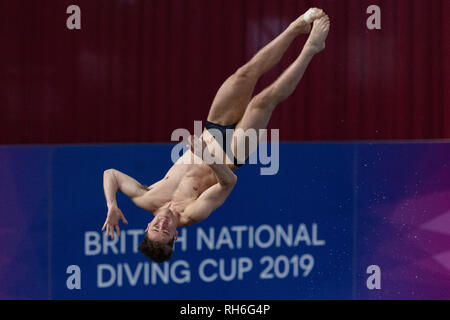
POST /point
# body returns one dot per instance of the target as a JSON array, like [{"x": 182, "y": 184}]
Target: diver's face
[{"x": 163, "y": 227}]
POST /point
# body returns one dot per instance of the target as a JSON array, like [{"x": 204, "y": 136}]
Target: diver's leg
[
  {"x": 262, "y": 105},
  {"x": 235, "y": 93}
]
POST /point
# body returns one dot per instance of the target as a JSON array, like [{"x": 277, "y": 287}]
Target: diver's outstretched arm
[{"x": 114, "y": 181}]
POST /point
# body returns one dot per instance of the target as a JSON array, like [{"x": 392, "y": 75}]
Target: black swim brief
[{"x": 227, "y": 138}]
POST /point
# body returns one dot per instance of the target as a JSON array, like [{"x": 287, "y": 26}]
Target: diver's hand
[
  {"x": 197, "y": 145},
  {"x": 200, "y": 147},
  {"x": 112, "y": 220}
]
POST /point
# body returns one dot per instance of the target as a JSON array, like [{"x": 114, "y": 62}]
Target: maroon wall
[{"x": 138, "y": 69}]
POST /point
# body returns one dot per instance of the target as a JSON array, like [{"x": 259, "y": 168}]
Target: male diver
[{"x": 191, "y": 190}]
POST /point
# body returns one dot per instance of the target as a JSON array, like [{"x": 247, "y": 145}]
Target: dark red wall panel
[{"x": 138, "y": 69}]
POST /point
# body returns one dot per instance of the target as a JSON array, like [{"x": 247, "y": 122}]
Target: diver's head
[{"x": 159, "y": 236}]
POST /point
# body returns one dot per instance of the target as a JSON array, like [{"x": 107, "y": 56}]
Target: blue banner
[{"x": 308, "y": 232}]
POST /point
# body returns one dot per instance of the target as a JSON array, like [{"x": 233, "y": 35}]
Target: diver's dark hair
[{"x": 156, "y": 251}]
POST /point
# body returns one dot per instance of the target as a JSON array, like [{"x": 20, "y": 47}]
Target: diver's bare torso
[
  {"x": 192, "y": 191},
  {"x": 185, "y": 181}
]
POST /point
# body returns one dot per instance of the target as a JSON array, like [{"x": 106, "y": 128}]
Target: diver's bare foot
[
  {"x": 303, "y": 23},
  {"x": 319, "y": 33}
]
